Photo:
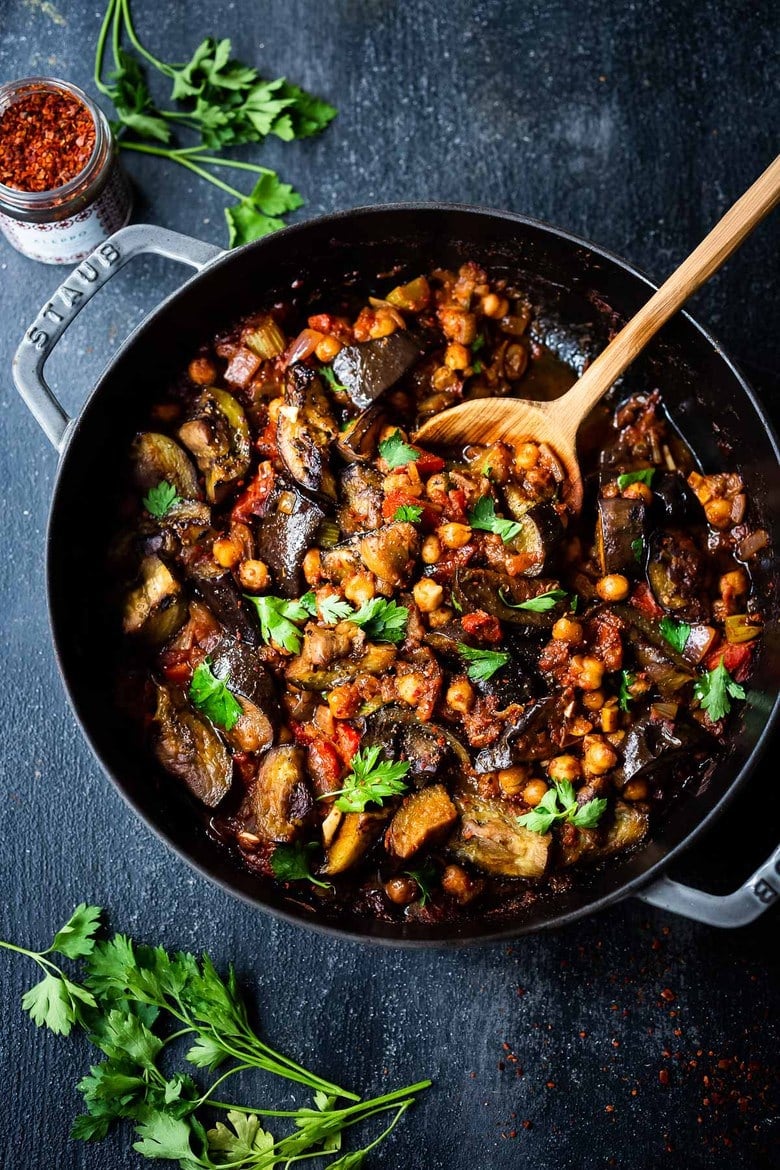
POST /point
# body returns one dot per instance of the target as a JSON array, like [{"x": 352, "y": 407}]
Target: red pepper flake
[
  {"x": 668, "y": 995},
  {"x": 663, "y": 1076},
  {"x": 609, "y": 1108},
  {"x": 46, "y": 139}
]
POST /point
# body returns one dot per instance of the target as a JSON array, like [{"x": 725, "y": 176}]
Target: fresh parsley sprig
[
  {"x": 291, "y": 863},
  {"x": 625, "y": 697},
  {"x": 330, "y": 377},
  {"x": 383, "y": 621},
  {"x": 483, "y": 664},
  {"x": 559, "y": 803},
  {"x": 628, "y": 477},
  {"x": 715, "y": 689},
  {"x": 213, "y": 697},
  {"x": 675, "y": 633},
  {"x": 539, "y": 604},
  {"x": 412, "y": 513},
  {"x": 483, "y": 516},
  {"x": 277, "y": 620},
  {"x": 159, "y": 500},
  {"x": 372, "y": 780},
  {"x": 397, "y": 453}
]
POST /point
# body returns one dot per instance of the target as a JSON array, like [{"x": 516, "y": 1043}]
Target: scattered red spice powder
[{"x": 46, "y": 140}]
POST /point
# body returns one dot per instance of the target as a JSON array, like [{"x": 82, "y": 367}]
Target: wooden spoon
[{"x": 514, "y": 420}]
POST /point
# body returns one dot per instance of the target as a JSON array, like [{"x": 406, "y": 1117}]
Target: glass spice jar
[{"x": 91, "y": 197}]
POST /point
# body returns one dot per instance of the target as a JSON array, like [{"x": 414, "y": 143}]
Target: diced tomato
[
  {"x": 303, "y": 733},
  {"x": 428, "y": 462},
  {"x": 736, "y": 659},
  {"x": 347, "y": 740},
  {"x": 337, "y": 327},
  {"x": 398, "y": 498},
  {"x": 254, "y": 498},
  {"x": 643, "y": 600},
  {"x": 482, "y": 626},
  {"x": 607, "y": 644},
  {"x": 177, "y": 672},
  {"x": 451, "y": 560},
  {"x": 266, "y": 441},
  {"x": 326, "y": 767},
  {"x": 455, "y": 508}
]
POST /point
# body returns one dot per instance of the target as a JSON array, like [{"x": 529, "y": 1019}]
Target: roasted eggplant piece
[
  {"x": 220, "y": 593},
  {"x": 651, "y": 746},
  {"x": 368, "y": 369},
  {"x": 485, "y": 589},
  {"x": 305, "y": 430},
  {"x": 190, "y": 749},
  {"x": 627, "y": 826},
  {"x": 539, "y": 538},
  {"x": 156, "y": 608},
  {"x": 217, "y": 434},
  {"x": 358, "y": 443},
  {"x": 355, "y": 834},
  {"x": 391, "y": 552},
  {"x": 643, "y": 629},
  {"x": 676, "y": 575},
  {"x": 429, "y": 747},
  {"x": 424, "y": 819},
  {"x": 361, "y": 494},
  {"x": 285, "y": 534},
  {"x": 156, "y": 458},
  {"x": 533, "y": 735},
  {"x": 620, "y": 535},
  {"x": 376, "y": 660},
  {"x": 673, "y": 499},
  {"x": 489, "y": 837},
  {"x": 281, "y": 798},
  {"x": 248, "y": 678}
]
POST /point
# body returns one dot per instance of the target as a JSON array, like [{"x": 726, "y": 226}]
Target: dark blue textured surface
[{"x": 634, "y": 125}]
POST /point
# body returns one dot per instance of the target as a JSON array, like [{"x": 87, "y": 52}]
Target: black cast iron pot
[{"x": 584, "y": 293}]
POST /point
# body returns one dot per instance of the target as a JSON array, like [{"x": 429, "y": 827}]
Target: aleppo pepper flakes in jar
[{"x": 62, "y": 190}]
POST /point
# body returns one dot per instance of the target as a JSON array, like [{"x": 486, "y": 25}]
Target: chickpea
[
  {"x": 454, "y": 535},
  {"x": 460, "y": 885},
  {"x": 312, "y": 567},
  {"x": 327, "y": 349},
  {"x": 344, "y": 701},
  {"x": 274, "y": 406},
  {"x": 718, "y": 513},
  {"x": 227, "y": 552},
  {"x": 566, "y": 630},
  {"x": 494, "y": 306},
  {"x": 513, "y": 781},
  {"x": 587, "y": 671},
  {"x": 735, "y": 582},
  {"x": 593, "y": 700},
  {"x": 383, "y": 325},
  {"x": 359, "y": 588},
  {"x": 635, "y": 790},
  {"x": 599, "y": 757},
  {"x": 515, "y": 362},
  {"x": 564, "y": 768},
  {"x": 527, "y": 456},
  {"x": 443, "y": 378},
  {"x": 534, "y": 792},
  {"x": 202, "y": 371},
  {"x": 457, "y": 357},
  {"x": 440, "y": 617},
  {"x": 401, "y": 890},
  {"x": 431, "y": 550},
  {"x": 437, "y": 485},
  {"x": 254, "y": 575},
  {"x": 458, "y": 324},
  {"x": 613, "y": 587},
  {"x": 460, "y": 695},
  {"x": 638, "y": 491},
  {"x": 428, "y": 595},
  {"x": 410, "y": 688}
]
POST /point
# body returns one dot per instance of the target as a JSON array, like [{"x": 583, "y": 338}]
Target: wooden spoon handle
[{"x": 706, "y": 259}]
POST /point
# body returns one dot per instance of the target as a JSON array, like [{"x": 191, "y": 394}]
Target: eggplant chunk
[
  {"x": 490, "y": 838},
  {"x": 285, "y": 534},
  {"x": 358, "y": 443},
  {"x": 539, "y": 537},
  {"x": 361, "y": 496},
  {"x": 676, "y": 573},
  {"x": 620, "y": 535},
  {"x": 190, "y": 749},
  {"x": 248, "y": 678},
  {"x": 305, "y": 429},
  {"x": 485, "y": 589},
  {"x": 281, "y": 797},
  {"x": 156, "y": 458},
  {"x": 424, "y": 819},
  {"x": 356, "y": 832},
  {"x": 627, "y": 828},
  {"x": 221, "y": 595},
  {"x": 156, "y": 608},
  {"x": 651, "y": 747},
  {"x": 536, "y": 734},
  {"x": 377, "y": 659},
  {"x": 368, "y": 369},
  {"x": 217, "y": 434},
  {"x": 391, "y": 552}
]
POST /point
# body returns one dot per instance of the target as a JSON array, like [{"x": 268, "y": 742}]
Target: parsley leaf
[
  {"x": 132, "y": 100},
  {"x": 625, "y": 697},
  {"x": 412, "y": 513},
  {"x": 713, "y": 690},
  {"x": 478, "y": 343},
  {"x": 425, "y": 876},
  {"x": 77, "y": 936},
  {"x": 371, "y": 781},
  {"x": 538, "y": 604},
  {"x": 483, "y": 664},
  {"x": 243, "y": 1141},
  {"x": 644, "y": 476},
  {"x": 164, "y": 1136},
  {"x": 483, "y": 516},
  {"x": 53, "y": 1002},
  {"x": 159, "y": 500},
  {"x": 397, "y": 453},
  {"x": 331, "y": 379},
  {"x": 290, "y": 863},
  {"x": 638, "y": 548},
  {"x": 309, "y": 602},
  {"x": 477, "y": 367},
  {"x": 277, "y": 616},
  {"x": 383, "y": 621},
  {"x": 212, "y": 696},
  {"x": 675, "y": 633},
  {"x": 333, "y": 609},
  {"x": 560, "y": 803},
  {"x": 259, "y": 213}
]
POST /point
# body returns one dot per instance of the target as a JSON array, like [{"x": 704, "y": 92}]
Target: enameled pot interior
[{"x": 584, "y": 296}]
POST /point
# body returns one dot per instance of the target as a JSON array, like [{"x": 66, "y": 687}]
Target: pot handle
[
  {"x": 71, "y": 297},
  {"x": 729, "y": 910}
]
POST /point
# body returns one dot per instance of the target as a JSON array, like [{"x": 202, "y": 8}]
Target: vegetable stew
[{"x": 403, "y": 682}]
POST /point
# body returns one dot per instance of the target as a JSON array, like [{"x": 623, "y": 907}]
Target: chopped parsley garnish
[
  {"x": 290, "y": 863},
  {"x": 675, "y": 633},
  {"x": 477, "y": 366},
  {"x": 643, "y": 476},
  {"x": 713, "y": 690},
  {"x": 539, "y": 604},
  {"x": 383, "y": 621},
  {"x": 309, "y": 602},
  {"x": 483, "y": 664},
  {"x": 478, "y": 343},
  {"x": 560, "y": 803},
  {"x": 277, "y": 616},
  {"x": 397, "y": 453},
  {"x": 625, "y": 697},
  {"x": 483, "y": 516},
  {"x": 409, "y": 512},
  {"x": 371, "y": 781},
  {"x": 334, "y": 610},
  {"x": 159, "y": 500},
  {"x": 425, "y": 876},
  {"x": 638, "y": 548},
  {"x": 213, "y": 697},
  {"x": 331, "y": 379}
]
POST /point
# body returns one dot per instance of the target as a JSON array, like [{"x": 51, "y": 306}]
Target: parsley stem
[
  {"x": 182, "y": 160},
  {"x": 259, "y": 1055},
  {"x": 37, "y": 957},
  {"x": 167, "y": 70},
  {"x": 100, "y": 47}
]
